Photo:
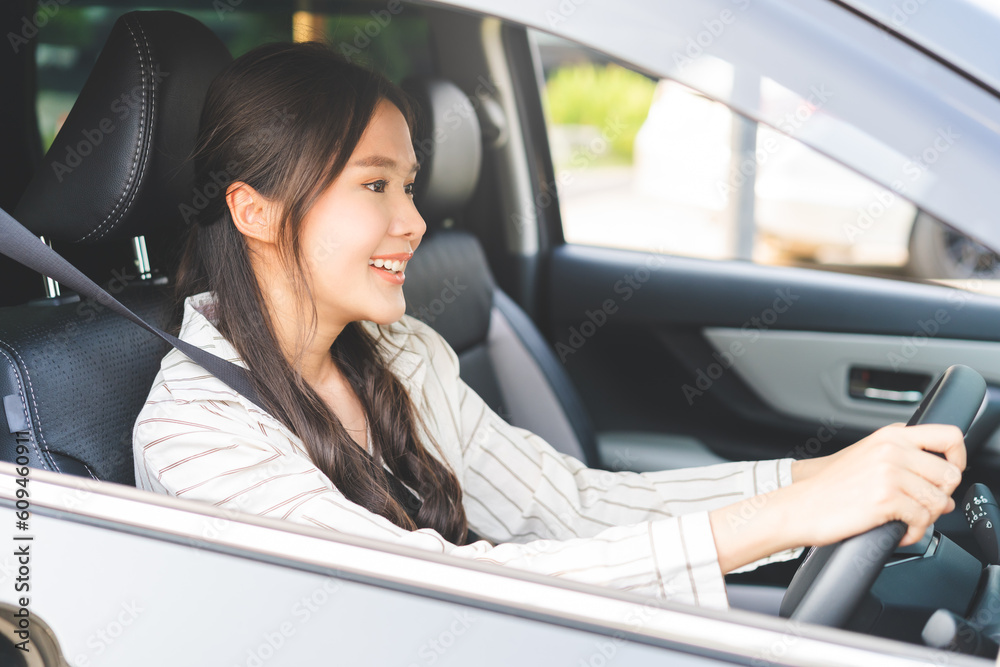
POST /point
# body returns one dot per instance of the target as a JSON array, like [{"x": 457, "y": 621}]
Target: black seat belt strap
[{"x": 21, "y": 245}]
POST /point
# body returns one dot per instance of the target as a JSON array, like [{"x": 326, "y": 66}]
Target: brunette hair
[{"x": 284, "y": 119}]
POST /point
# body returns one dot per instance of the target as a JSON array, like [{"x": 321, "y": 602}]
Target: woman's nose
[{"x": 411, "y": 223}]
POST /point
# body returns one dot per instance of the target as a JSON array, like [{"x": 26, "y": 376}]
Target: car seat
[{"x": 74, "y": 376}]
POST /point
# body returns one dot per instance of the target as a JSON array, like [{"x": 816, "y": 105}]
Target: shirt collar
[{"x": 200, "y": 322}]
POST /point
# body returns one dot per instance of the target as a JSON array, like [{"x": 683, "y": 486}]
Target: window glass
[
  {"x": 653, "y": 165},
  {"x": 71, "y": 40},
  {"x": 395, "y": 44}
]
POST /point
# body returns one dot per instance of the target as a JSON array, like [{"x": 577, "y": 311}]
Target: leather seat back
[{"x": 74, "y": 376}]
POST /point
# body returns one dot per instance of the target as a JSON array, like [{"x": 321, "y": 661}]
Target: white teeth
[{"x": 393, "y": 266}]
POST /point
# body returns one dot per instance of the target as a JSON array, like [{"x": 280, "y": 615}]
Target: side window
[
  {"x": 393, "y": 39},
  {"x": 652, "y": 165}
]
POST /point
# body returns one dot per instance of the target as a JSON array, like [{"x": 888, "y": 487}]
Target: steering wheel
[{"x": 832, "y": 580}]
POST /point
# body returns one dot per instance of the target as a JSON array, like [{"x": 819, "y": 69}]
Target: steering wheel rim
[{"x": 832, "y": 581}]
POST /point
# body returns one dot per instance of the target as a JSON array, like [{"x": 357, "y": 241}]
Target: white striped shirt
[{"x": 197, "y": 438}]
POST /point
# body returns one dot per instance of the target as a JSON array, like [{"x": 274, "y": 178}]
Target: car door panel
[
  {"x": 750, "y": 360},
  {"x": 816, "y": 382}
]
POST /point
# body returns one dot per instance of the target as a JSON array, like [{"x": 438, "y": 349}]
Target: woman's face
[{"x": 362, "y": 222}]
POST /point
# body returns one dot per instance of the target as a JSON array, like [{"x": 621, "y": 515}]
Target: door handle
[
  {"x": 911, "y": 396},
  {"x": 874, "y": 384}
]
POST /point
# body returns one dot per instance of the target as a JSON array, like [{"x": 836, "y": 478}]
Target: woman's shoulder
[
  {"x": 409, "y": 341},
  {"x": 182, "y": 380}
]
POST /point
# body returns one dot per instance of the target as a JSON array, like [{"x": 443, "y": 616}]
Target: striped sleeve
[{"x": 518, "y": 488}]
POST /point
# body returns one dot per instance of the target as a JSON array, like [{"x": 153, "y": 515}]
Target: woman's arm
[
  {"x": 754, "y": 510},
  {"x": 892, "y": 474}
]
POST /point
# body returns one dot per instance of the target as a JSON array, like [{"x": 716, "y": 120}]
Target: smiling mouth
[{"x": 390, "y": 265}]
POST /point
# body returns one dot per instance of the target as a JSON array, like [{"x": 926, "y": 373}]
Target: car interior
[
  {"x": 488, "y": 330},
  {"x": 109, "y": 195}
]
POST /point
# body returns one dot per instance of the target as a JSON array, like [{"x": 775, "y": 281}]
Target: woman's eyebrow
[{"x": 381, "y": 161}]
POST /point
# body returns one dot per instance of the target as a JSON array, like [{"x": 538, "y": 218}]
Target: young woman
[{"x": 295, "y": 272}]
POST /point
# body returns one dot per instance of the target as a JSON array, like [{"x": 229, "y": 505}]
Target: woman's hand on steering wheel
[{"x": 894, "y": 473}]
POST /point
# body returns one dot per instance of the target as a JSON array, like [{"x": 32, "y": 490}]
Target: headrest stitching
[{"x": 140, "y": 144}]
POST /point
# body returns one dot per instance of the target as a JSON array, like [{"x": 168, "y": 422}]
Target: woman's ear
[{"x": 251, "y": 212}]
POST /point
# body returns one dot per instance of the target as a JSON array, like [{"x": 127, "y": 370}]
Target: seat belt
[{"x": 21, "y": 245}]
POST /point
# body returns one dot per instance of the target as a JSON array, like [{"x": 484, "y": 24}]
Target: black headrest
[
  {"x": 449, "y": 146},
  {"x": 449, "y": 286},
  {"x": 119, "y": 166}
]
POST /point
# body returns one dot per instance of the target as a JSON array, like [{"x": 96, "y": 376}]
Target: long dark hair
[{"x": 284, "y": 119}]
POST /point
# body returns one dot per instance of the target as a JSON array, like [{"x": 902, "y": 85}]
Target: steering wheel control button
[{"x": 983, "y": 515}]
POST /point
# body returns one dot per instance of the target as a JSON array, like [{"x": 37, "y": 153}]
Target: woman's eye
[
  {"x": 408, "y": 188},
  {"x": 377, "y": 186}
]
